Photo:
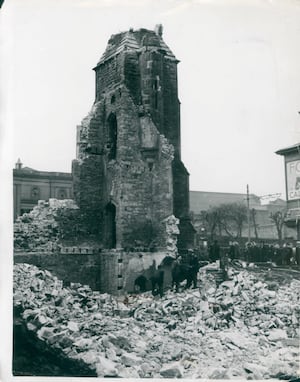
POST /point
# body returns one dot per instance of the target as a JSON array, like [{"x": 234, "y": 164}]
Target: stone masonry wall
[
  {"x": 111, "y": 271},
  {"x": 120, "y": 270},
  {"x": 110, "y": 73},
  {"x": 141, "y": 191},
  {"x": 126, "y": 188}
]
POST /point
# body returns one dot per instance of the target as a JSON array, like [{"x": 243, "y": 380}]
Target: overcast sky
[{"x": 239, "y": 81}]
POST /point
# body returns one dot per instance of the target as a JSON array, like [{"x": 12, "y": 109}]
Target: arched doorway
[{"x": 110, "y": 226}]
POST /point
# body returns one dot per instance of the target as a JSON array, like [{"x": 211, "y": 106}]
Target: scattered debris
[{"x": 241, "y": 329}]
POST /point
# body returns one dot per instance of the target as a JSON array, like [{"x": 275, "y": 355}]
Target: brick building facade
[{"x": 128, "y": 174}]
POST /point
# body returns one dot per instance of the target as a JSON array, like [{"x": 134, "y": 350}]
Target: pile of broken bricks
[
  {"x": 245, "y": 328},
  {"x": 38, "y": 229}
]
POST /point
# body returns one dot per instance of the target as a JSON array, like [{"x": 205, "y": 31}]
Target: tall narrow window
[
  {"x": 156, "y": 87},
  {"x": 112, "y": 136},
  {"x": 110, "y": 226}
]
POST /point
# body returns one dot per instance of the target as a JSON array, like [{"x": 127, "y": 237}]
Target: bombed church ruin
[{"x": 128, "y": 175}]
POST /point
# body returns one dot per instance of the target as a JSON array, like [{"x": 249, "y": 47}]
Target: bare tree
[
  {"x": 278, "y": 218},
  {"x": 228, "y": 218},
  {"x": 211, "y": 220},
  {"x": 232, "y": 218}
]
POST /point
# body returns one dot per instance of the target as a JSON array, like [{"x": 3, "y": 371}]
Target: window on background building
[
  {"x": 35, "y": 193},
  {"x": 24, "y": 210},
  {"x": 62, "y": 194}
]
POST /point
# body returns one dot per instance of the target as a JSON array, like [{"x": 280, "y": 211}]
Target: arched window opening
[
  {"x": 110, "y": 226},
  {"x": 112, "y": 136}
]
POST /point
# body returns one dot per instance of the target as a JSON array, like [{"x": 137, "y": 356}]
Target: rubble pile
[
  {"x": 172, "y": 231},
  {"x": 38, "y": 229},
  {"x": 245, "y": 328}
]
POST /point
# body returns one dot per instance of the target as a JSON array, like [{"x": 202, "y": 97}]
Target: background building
[
  {"x": 32, "y": 185},
  {"x": 292, "y": 182}
]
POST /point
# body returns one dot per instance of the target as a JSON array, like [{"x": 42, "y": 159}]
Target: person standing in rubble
[
  {"x": 287, "y": 253},
  {"x": 214, "y": 251},
  {"x": 231, "y": 251},
  {"x": 194, "y": 268}
]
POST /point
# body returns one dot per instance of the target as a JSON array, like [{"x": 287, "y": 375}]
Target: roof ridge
[{"x": 127, "y": 41}]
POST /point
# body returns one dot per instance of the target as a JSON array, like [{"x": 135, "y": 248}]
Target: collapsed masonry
[
  {"x": 44, "y": 228},
  {"x": 246, "y": 328},
  {"x": 128, "y": 174}
]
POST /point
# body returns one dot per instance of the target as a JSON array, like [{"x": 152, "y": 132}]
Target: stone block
[
  {"x": 277, "y": 335},
  {"x": 174, "y": 370},
  {"x": 130, "y": 359}
]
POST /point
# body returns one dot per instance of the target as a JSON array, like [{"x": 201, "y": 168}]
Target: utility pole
[{"x": 248, "y": 213}]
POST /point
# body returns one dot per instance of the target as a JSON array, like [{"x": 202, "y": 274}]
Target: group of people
[
  {"x": 186, "y": 267},
  {"x": 287, "y": 254}
]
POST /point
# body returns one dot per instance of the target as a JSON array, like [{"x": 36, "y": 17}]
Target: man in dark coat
[{"x": 214, "y": 252}]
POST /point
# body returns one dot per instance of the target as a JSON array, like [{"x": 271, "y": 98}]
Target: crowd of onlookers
[{"x": 285, "y": 254}]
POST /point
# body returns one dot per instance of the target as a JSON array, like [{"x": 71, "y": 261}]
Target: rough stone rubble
[
  {"x": 245, "y": 328},
  {"x": 172, "y": 231},
  {"x": 38, "y": 230}
]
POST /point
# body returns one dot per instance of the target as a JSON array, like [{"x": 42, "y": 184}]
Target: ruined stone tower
[{"x": 128, "y": 174}]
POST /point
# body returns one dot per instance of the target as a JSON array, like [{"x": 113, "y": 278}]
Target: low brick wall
[{"x": 111, "y": 271}]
